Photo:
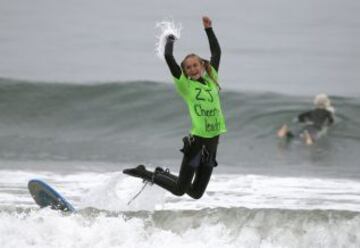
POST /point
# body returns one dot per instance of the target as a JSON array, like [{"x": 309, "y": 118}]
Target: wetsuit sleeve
[
  {"x": 169, "y": 57},
  {"x": 214, "y": 48},
  {"x": 303, "y": 117}
]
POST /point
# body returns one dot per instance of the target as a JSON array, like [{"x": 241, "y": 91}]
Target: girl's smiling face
[{"x": 194, "y": 67}]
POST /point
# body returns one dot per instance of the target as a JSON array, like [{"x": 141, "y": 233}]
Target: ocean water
[{"x": 83, "y": 96}]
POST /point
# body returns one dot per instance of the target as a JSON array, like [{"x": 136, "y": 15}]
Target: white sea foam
[
  {"x": 166, "y": 28},
  {"x": 113, "y": 190},
  {"x": 273, "y": 215},
  {"x": 47, "y": 228}
]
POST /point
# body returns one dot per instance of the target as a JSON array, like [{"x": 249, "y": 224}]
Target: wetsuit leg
[
  {"x": 183, "y": 183},
  {"x": 163, "y": 178},
  {"x": 203, "y": 174},
  {"x": 202, "y": 178},
  {"x": 180, "y": 185},
  {"x": 176, "y": 185},
  {"x": 313, "y": 131}
]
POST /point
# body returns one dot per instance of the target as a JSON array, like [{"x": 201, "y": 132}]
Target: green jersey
[{"x": 203, "y": 102}]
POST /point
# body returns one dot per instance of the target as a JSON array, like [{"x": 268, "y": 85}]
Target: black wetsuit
[
  {"x": 317, "y": 117},
  {"x": 315, "y": 121},
  {"x": 196, "y": 168},
  {"x": 199, "y": 153}
]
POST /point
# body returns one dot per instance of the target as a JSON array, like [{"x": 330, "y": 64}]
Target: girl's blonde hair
[{"x": 204, "y": 62}]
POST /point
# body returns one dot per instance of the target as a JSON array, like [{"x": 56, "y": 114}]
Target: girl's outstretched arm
[
  {"x": 214, "y": 44},
  {"x": 169, "y": 57}
]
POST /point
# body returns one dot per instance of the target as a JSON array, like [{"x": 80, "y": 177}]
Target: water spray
[{"x": 166, "y": 28}]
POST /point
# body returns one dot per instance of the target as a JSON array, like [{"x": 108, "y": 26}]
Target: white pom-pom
[{"x": 166, "y": 28}]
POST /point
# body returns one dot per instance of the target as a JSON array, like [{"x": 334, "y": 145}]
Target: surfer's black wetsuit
[
  {"x": 315, "y": 121},
  {"x": 199, "y": 153},
  {"x": 317, "y": 117}
]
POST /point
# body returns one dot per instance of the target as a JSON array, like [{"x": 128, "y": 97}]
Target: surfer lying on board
[
  {"x": 196, "y": 81},
  {"x": 316, "y": 121}
]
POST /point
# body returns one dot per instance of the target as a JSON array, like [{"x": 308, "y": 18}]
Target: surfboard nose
[{"x": 45, "y": 196}]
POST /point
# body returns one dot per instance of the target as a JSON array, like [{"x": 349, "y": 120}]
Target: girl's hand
[
  {"x": 171, "y": 37},
  {"x": 206, "y": 22}
]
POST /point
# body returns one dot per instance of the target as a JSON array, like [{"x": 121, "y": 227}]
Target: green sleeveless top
[{"x": 203, "y": 102}]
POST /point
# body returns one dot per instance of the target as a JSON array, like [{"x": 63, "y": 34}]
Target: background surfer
[
  {"x": 196, "y": 82},
  {"x": 316, "y": 121}
]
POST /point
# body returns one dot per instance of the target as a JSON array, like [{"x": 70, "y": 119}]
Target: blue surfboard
[{"x": 46, "y": 196}]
